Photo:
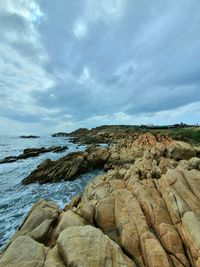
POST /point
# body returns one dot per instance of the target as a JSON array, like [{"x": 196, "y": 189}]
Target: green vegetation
[
  {"x": 190, "y": 135},
  {"x": 181, "y": 132}
]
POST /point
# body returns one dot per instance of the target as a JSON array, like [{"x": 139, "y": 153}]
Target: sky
[{"x": 82, "y": 63}]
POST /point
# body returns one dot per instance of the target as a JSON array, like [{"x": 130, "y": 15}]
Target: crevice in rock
[
  {"x": 187, "y": 255},
  {"x": 157, "y": 189},
  {"x": 45, "y": 257},
  {"x": 130, "y": 256},
  {"x": 184, "y": 176},
  {"x": 50, "y": 233},
  {"x": 170, "y": 254}
]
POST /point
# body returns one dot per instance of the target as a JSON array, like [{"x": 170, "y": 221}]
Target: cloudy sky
[{"x": 81, "y": 63}]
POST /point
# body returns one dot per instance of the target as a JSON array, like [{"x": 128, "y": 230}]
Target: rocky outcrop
[
  {"x": 88, "y": 246},
  {"x": 79, "y": 132},
  {"x": 134, "y": 214},
  {"x": 68, "y": 167},
  {"x": 180, "y": 150},
  {"x": 144, "y": 211},
  {"x": 24, "y": 251},
  {"x": 110, "y": 133},
  {"x": 60, "y": 134},
  {"x": 148, "y": 156},
  {"x": 29, "y": 136},
  {"x": 33, "y": 152},
  {"x": 39, "y": 222},
  {"x": 67, "y": 238}
]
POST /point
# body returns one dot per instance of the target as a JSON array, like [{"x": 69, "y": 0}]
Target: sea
[{"x": 17, "y": 199}]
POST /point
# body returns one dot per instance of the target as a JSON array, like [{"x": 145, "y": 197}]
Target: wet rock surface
[
  {"x": 33, "y": 152},
  {"x": 144, "y": 211}
]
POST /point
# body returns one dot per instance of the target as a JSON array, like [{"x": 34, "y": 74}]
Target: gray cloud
[{"x": 72, "y": 63}]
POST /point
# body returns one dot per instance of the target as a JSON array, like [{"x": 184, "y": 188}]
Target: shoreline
[{"x": 143, "y": 209}]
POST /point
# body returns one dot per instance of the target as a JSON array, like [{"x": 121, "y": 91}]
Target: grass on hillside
[
  {"x": 187, "y": 134},
  {"x": 190, "y": 135}
]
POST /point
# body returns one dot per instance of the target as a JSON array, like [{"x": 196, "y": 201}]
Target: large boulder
[
  {"x": 133, "y": 210},
  {"x": 66, "y": 219},
  {"x": 180, "y": 150},
  {"x": 53, "y": 258},
  {"x": 180, "y": 190},
  {"x": 39, "y": 222},
  {"x": 87, "y": 246},
  {"x": 24, "y": 252}
]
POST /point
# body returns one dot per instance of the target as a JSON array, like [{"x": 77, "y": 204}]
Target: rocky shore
[
  {"x": 33, "y": 152},
  {"x": 68, "y": 167},
  {"x": 103, "y": 134},
  {"x": 144, "y": 211}
]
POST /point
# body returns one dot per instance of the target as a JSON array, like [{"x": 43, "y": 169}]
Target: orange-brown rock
[{"x": 144, "y": 211}]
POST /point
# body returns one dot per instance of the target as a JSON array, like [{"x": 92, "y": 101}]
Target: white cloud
[
  {"x": 95, "y": 10},
  {"x": 92, "y": 62},
  {"x": 28, "y": 9},
  {"x": 105, "y": 10},
  {"x": 22, "y": 75},
  {"x": 13, "y": 128},
  {"x": 80, "y": 29},
  {"x": 19, "y": 78},
  {"x": 85, "y": 76},
  {"x": 183, "y": 114}
]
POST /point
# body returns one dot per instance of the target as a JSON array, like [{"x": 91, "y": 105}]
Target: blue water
[{"x": 16, "y": 199}]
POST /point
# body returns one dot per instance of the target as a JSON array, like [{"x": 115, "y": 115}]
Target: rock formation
[
  {"x": 78, "y": 132},
  {"x": 33, "y": 152},
  {"x": 144, "y": 211},
  {"x": 68, "y": 167},
  {"x": 29, "y": 136}
]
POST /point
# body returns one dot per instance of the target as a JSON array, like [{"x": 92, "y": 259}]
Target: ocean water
[{"x": 17, "y": 199}]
